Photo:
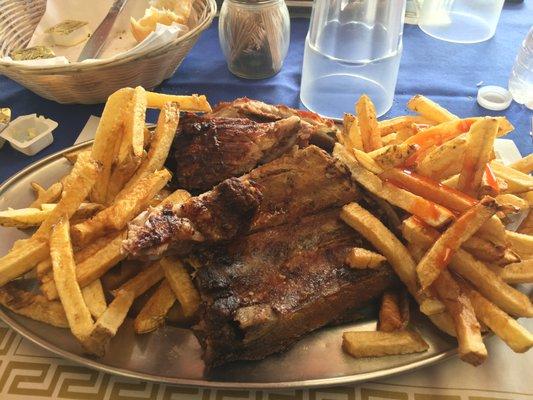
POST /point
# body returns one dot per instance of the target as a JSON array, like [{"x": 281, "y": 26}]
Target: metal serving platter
[{"x": 172, "y": 355}]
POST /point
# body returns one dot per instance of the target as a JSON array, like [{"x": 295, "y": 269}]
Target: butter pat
[
  {"x": 69, "y": 33},
  {"x": 31, "y": 53}
]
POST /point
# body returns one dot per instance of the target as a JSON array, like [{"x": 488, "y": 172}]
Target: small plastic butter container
[{"x": 29, "y": 134}]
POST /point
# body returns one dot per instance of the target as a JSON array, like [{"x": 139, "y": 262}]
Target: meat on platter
[{"x": 272, "y": 250}]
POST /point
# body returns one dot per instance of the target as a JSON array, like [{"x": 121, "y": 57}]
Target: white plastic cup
[
  {"x": 460, "y": 21},
  {"x": 352, "y": 48}
]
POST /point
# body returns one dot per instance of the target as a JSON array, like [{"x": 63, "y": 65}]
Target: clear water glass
[
  {"x": 460, "y": 21},
  {"x": 353, "y": 47}
]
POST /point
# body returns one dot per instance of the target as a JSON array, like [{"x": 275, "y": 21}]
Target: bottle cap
[{"x": 494, "y": 98}]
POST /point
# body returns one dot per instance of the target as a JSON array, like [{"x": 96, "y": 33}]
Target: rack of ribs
[
  {"x": 297, "y": 184},
  {"x": 272, "y": 251},
  {"x": 262, "y": 292}
]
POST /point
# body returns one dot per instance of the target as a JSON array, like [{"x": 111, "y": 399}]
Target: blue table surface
[{"x": 446, "y": 72}]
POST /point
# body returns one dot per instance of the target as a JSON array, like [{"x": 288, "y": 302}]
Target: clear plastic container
[
  {"x": 352, "y": 48},
  {"x": 521, "y": 79},
  {"x": 460, "y": 21},
  {"x": 29, "y": 134}
]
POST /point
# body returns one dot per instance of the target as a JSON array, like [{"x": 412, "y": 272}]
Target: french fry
[
  {"x": 520, "y": 272},
  {"x": 442, "y": 320},
  {"x": 393, "y": 155},
  {"x": 94, "y": 298},
  {"x": 524, "y": 165},
  {"x": 487, "y": 282},
  {"x": 23, "y": 217},
  {"x": 512, "y": 201},
  {"x": 377, "y": 343},
  {"x": 490, "y": 185},
  {"x": 153, "y": 313},
  {"x": 480, "y": 141},
  {"x": 439, "y": 255},
  {"x": 445, "y": 196},
  {"x": 429, "y": 189},
  {"x": 431, "y": 213},
  {"x": 368, "y": 124},
  {"x": 22, "y": 258},
  {"x": 391, "y": 138},
  {"x": 76, "y": 187},
  {"x": 72, "y": 156},
  {"x": 393, "y": 315},
  {"x": 471, "y": 346},
  {"x": 34, "y": 306},
  {"x": 193, "y": 103},
  {"x": 143, "y": 281},
  {"x": 388, "y": 126},
  {"x": 132, "y": 144},
  {"x": 406, "y": 132},
  {"x": 521, "y": 244},
  {"x": 64, "y": 268},
  {"x": 354, "y": 135},
  {"x": 441, "y": 133},
  {"x": 511, "y": 332},
  {"x": 181, "y": 284},
  {"x": 488, "y": 252},
  {"x": 342, "y": 135},
  {"x": 94, "y": 266},
  {"x": 360, "y": 258},
  {"x": 126, "y": 206},
  {"x": 50, "y": 195},
  {"x": 388, "y": 244},
  {"x": 107, "y": 137},
  {"x": 367, "y": 161},
  {"x": 429, "y": 109},
  {"x": 130, "y": 150},
  {"x": 45, "y": 266},
  {"x": 160, "y": 144},
  {"x": 444, "y": 160},
  {"x": 517, "y": 182},
  {"x": 107, "y": 325}
]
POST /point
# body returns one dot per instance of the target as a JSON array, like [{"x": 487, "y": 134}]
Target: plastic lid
[{"x": 494, "y": 98}]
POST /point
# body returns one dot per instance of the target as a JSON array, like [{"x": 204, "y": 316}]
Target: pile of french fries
[
  {"x": 80, "y": 223},
  {"x": 436, "y": 173},
  {"x": 455, "y": 257}
]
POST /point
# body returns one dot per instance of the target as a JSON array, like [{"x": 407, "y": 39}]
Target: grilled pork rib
[
  {"x": 301, "y": 183},
  {"x": 263, "y": 291},
  {"x": 210, "y": 149},
  {"x": 322, "y": 131}
]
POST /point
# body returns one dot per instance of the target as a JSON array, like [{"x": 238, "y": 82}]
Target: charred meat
[
  {"x": 301, "y": 183},
  {"x": 209, "y": 149},
  {"x": 263, "y": 291},
  {"x": 322, "y": 131}
]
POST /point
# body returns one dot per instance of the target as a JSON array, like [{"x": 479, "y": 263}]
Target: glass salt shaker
[{"x": 254, "y": 36}]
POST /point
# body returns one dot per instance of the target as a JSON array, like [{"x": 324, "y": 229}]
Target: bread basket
[{"x": 91, "y": 83}]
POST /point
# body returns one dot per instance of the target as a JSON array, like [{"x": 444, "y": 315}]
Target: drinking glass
[
  {"x": 460, "y": 21},
  {"x": 353, "y": 47}
]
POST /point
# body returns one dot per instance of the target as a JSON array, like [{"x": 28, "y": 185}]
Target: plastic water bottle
[{"x": 521, "y": 79}]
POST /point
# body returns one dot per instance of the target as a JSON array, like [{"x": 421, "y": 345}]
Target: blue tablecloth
[{"x": 446, "y": 72}]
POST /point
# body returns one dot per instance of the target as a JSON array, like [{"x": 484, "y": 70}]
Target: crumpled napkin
[{"x": 120, "y": 40}]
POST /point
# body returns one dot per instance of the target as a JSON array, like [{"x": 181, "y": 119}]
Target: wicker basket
[{"x": 93, "y": 83}]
